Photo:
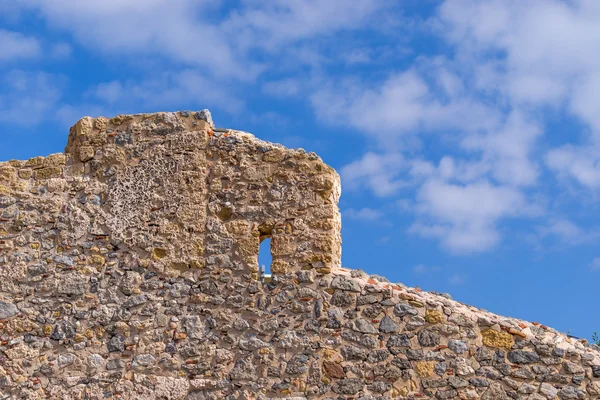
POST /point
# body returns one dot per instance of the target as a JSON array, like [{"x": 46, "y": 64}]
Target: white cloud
[
  {"x": 200, "y": 33},
  {"x": 402, "y": 104},
  {"x": 363, "y": 214},
  {"x": 581, "y": 163},
  {"x": 282, "y": 88},
  {"x": 595, "y": 264},
  {"x": 28, "y": 98},
  {"x": 567, "y": 232},
  {"x": 153, "y": 27},
  {"x": 274, "y": 24},
  {"x": 507, "y": 150},
  {"x": 424, "y": 269},
  {"x": 465, "y": 217},
  {"x": 376, "y": 172},
  {"x": 457, "y": 279},
  {"x": 14, "y": 45},
  {"x": 546, "y": 53},
  {"x": 188, "y": 89},
  {"x": 510, "y": 63}
]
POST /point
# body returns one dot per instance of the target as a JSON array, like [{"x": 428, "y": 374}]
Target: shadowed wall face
[{"x": 129, "y": 269}]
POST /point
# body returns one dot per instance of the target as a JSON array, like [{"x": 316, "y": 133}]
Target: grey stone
[
  {"x": 64, "y": 360},
  {"x": 572, "y": 368},
  {"x": 343, "y": 299},
  {"x": 457, "y": 346},
  {"x": 522, "y": 357},
  {"x": 479, "y": 382},
  {"x": 95, "y": 361},
  {"x": 116, "y": 343},
  {"x": 402, "y": 309},
  {"x": 344, "y": 283},
  {"x": 379, "y": 355},
  {"x": 434, "y": 383},
  {"x": 548, "y": 390},
  {"x": 387, "y": 325},
  {"x": 571, "y": 393},
  {"x": 7, "y": 310},
  {"x": 527, "y": 388},
  {"x": 205, "y": 115},
  {"x": 495, "y": 392},
  {"x": 362, "y": 325},
  {"x": 297, "y": 365},
  {"x": 64, "y": 260},
  {"x": 353, "y": 353},
  {"x": 428, "y": 338},
  {"x": 401, "y": 340},
  {"x": 348, "y": 386},
  {"x": 134, "y": 301},
  {"x": 446, "y": 394},
  {"x": 143, "y": 361},
  {"x": 37, "y": 269},
  {"x": 461, "y": 320},
  {"x": 457, "y": 382}
]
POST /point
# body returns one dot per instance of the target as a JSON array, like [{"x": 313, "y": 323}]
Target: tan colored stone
[
  {"x": 424, "y": 368},
  {"x": 48, "y": 172},
  {"x": 274, "y": 155},
  {"x": 86, "y": 153},
  {"x": 83, "y": 127},
  {"x": 497, "y": 339},
  {"x": 434, "y": 316},
  {"x": 279, "y": 267},
  {"x": 334, "y": 369},
  {"x": 55, "y": 159},
  {"x": 25, "y": 173},
  {"x": 7, "y": 174}
]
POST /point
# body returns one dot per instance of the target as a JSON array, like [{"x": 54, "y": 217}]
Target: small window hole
[{"x": 264, "y": 260}]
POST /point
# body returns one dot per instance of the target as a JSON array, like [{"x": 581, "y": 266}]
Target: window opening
[{"x": 264, "y": 260}]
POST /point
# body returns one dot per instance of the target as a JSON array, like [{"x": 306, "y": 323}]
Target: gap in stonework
[{"x": 264, "y": 260}]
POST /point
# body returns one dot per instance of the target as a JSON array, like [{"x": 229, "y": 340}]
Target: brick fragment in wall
[{"x": 129, "y": 269}]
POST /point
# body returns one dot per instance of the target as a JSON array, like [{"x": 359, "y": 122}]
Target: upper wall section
[{"x": 179, "y": 194}]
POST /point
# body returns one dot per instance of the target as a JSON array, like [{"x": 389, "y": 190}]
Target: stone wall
[{"x": 128, "y": 270}]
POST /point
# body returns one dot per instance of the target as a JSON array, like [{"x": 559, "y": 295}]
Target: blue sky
[{"x": 466, "y": 132}]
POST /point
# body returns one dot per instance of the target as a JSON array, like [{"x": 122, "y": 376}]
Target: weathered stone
[
  {"x": 143, "y": 361},
  {"x": 457, "y": 346},
  {"x": 334, "y": 369},
  {"x": 571, "y": 393},
  {"x": 434, "y": 316},
  {"x": 522, "y": 357},
  {"x": 548, "y": 390},
  {"x": 64, "y": 360},
  {"x": 7, "y": 310},
  {"x": 387, "y": 325},
  {"x": 116, "y": 343},
  {"x": 428, "y": 338},
  {"x": 348, "y": 386},
  {"x": 495, "y": 392},
  {"x": 402, "y": 309},
  {"x": 493, "y": 338},
  {"x": 401, "y": 340},
  {"x": 344, "y": 283},
  {"x": 362, "y": 325}
]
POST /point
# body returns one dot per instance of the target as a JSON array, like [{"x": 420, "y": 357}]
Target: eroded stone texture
[{"x": 128, "y": 269}]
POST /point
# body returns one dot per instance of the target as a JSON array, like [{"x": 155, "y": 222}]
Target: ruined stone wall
[{"x": 128, "y": 270}]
